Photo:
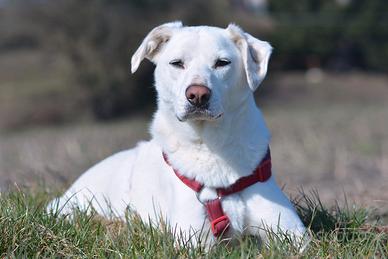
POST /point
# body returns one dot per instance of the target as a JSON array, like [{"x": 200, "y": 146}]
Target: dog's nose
[{"x": 198, "y": 95}]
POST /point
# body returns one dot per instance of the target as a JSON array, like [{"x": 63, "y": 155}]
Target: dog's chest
[{"x": 194, "y": 204}]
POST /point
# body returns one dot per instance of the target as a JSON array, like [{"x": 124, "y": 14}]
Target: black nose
[{"x": 198, "y": 95}]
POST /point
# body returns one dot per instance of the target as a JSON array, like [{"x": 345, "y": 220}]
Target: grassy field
[
  {"x": 340, "y": 151},
  {"x": 343, "y": 158},
  {"x": 28, "y": 231},
  {"x": 329, "y": 135}
]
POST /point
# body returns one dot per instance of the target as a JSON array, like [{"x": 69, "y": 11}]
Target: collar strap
[{"x": 219, "y": 221}]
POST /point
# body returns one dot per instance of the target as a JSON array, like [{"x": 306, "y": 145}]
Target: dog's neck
[{"x": 215, "y": 153}]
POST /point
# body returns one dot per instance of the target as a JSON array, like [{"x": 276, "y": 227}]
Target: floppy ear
[
  {"x": 255, "y": 55},
  {"x": 153, "y": 42}
]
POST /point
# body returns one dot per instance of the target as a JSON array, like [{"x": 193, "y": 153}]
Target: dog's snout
[{"x": 198, "y": 95}]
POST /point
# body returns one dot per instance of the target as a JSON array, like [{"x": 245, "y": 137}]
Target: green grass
[{"x": 28, "y": 231}]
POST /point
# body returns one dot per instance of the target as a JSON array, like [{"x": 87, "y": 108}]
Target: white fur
[{"x": 216, "y": 147}]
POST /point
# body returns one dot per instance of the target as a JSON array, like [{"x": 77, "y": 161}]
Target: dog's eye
[
  {"x": 221, "y": 62},
  {"x": 177, "y": 63}
]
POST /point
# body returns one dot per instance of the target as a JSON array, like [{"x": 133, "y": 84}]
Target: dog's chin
[{"x": 199, "y": 115}]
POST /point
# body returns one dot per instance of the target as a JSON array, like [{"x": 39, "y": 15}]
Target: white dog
[{"x": 207, "y": 164}]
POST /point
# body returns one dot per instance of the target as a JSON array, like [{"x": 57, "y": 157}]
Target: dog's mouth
[{"x": 199, "y": 114}]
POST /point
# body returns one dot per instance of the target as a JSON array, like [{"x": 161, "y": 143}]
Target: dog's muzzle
[
  {"x": 192, "y": 113},
  {"x": 198, "y": 104}
]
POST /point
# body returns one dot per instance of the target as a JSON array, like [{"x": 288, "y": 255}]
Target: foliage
[
  {"x": 99, "y": 36},
  {"x": 315, "y": 33}
]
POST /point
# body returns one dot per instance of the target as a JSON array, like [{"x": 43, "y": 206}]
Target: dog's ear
[
  {"x": 153, "y": 42},
  {"x": 255, "y": 55}
]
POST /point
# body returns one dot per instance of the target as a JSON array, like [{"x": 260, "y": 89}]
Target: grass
[{"x": 28, "y": 231}]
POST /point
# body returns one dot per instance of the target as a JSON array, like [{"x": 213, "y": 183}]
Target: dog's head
[{"x": 203, "y": 72}]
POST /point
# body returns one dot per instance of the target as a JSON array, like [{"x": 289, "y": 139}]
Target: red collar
[{"x": 219, "y": 221}]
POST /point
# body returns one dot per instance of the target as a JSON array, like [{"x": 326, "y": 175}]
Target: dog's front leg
[{"x": 269, "y": 212}]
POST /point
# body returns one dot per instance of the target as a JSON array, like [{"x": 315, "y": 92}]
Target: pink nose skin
[{"x": 198, "y": 95}]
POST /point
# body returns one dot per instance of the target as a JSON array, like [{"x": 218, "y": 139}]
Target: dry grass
[
  {"x": 339, "y": 148},
  {"x": 57, "y": 155}
]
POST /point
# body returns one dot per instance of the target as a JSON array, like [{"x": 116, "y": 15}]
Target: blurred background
[{"x": 67, "y": 99}]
